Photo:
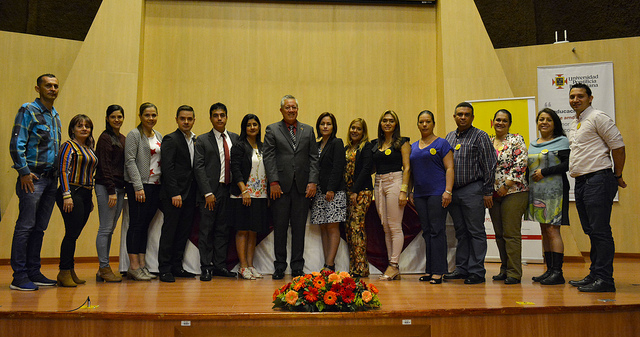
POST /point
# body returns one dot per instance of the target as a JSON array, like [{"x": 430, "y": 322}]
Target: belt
[
  {"x": 50, "y": 173},
  {"x": 589, "y": 175}
]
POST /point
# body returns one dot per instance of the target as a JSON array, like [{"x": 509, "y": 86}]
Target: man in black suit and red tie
[
  {"x": 212, "y": 166},
  {"x": 291, "y": 164},
  {"x": 178, "y": 195}
]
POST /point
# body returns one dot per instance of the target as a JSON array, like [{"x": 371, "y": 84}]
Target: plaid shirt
[
  {"x": 35, "y": 139},
  {"x": 473, "y": 158}
]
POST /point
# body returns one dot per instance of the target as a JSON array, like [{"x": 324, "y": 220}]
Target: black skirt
[{"x": 249, "y": 218}]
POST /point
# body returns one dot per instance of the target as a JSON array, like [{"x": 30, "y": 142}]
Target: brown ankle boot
[
  {"x": 75, "y": 278},
  {"x": 106, "y": 274},
  {"x": 65, "y": 279}
]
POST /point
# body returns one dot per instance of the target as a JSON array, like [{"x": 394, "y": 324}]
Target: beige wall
[{"x": 520, "y": 65}]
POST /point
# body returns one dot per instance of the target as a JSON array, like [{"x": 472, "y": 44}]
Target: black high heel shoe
[
  {"x": 435, "y": 280},
  {"x": 425, "y": 278}
]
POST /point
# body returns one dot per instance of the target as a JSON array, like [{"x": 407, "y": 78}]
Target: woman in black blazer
[
  {"x": 329, "y": 206},
  {"x": 248, "y": 199},
  {"x": 357, "y": 176}
]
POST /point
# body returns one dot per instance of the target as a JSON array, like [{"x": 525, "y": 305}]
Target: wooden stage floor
[{"x": 452, "y": 307}]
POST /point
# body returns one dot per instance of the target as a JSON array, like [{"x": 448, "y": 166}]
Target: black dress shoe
[
  {"x": 278, "y": 275},
  {"x": 167, "y": 277},
  {"x": 585, "y": 281},
  {"x": 206, "y": 274},
  {"x": 297, "y": 272},
  {"x": 599, "y": 286},
  {"x": 511, "y": 280},
  {"x": 500, "y": 277},
  {"x": 223, "y": 272},
  {"x": 474, "y": 279},
  {"x": 183, "y": 273},
  {"x": 456, "y": 275},
  {"x": 555, "y": 277}
]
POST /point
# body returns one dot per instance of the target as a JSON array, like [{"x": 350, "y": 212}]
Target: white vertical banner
[{"x": 554, "y": 83}]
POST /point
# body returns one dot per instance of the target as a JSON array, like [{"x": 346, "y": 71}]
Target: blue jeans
[
  {"x": 108, "y": 217},
  {"x": 35, "y": 211},
  {"x": 594, "y": 199},
  {"x": 467, "y": 211}
]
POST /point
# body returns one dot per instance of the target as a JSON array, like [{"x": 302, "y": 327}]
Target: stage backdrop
[{"x": 523, "y": 111}]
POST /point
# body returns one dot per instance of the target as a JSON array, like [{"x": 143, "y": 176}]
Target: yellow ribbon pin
[
  {"x": 545, "y": 151},
  {"x": 432, "y": 151},
  {"x": 387, "y": 152},
  {"x": 458, "y": 147}
]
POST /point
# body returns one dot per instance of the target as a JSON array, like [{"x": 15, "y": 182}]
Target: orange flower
[
  {"x": 311, "y": 295},
  {"x": 334, "y": 278},
  {"x": 298, "y": 285},
  {"x": 319, "y": 282},
  {"x": 330, "y": 298},
  {"x": 366, "y": 296},
  {"x": 291, "y": 297},
  {"x": 276, "y": 293},
  {"x": 315, "y": 274},
  {"x": 344, "y": 274},
  {"x": 373, "y": 288},
  {"x": 308, "y": 276}
]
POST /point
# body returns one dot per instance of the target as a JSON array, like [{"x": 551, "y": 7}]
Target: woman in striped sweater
[{"x": 77, "y": 166}]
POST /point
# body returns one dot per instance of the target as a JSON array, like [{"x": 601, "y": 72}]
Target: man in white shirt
[
  {"x": 594, "y": 140},
  {"x": 212, "y": 167}
]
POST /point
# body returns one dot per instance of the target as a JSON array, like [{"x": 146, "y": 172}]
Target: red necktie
[{"x": 227, "y": 160}]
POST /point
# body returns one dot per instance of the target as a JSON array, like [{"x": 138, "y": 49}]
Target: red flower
[
  {"x": 319, "y": 282},
  {"x": 276, "y": 293},
  {"x": 311, "y": 295},
  {"x": 347, "y": 296},
  {"x": 336, "y": 287},
  {"x": 373, "y": 288},
  {"x": 330, "y": 298}
]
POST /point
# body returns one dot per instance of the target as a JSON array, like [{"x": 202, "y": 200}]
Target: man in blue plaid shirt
[
  {"x": 35, "y": 141},
  {"x": 474, "y": 163}
]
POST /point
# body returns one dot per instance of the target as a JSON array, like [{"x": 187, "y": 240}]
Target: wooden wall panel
[
  {"x": 100, "y": 71},
  {"x": 520, "y": 66},
  {"x": 354, "y": 61}
]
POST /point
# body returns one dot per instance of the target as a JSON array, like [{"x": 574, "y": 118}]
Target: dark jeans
[
  {"x": 74, "y": 222},
  {"x": 467, "y": 212},
  {"x": 432, "y": 219},
  {"x": 140, "y": 216},
  {"x": 291, "y": 208},
  {"x": 35, "y": 211},
  {"x": 594, "y": 199}
]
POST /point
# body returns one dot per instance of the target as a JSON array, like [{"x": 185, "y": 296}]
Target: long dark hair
[
  {"x": 82, "y": 118},
  {"x": 397, "y": 139},
  {"x": 557, "y": 123},
  {"x": 243, "y": 129},
  {"x": 334, "y": 131},
  {"x": 111, "y": 109}
]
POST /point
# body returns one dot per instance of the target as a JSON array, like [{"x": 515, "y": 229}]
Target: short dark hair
[
  {"x": 464, "y": 105},
  {"x": 333, "y": 121},
  {"x": 557, "y": 123},
  {"x": 185, "y": 108},
  {"x": 506, "y": 112},
  {"x": 582, "y": 86},
  {"x": 39, "y": 80},
  {"x": 217, "y": 106}
]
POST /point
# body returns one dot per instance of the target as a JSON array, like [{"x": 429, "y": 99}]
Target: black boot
[
  {"x": 556, "y": 276},
  {"x": 548, "y": 261}
]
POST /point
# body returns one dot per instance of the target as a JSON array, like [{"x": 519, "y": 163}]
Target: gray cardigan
[{"x": 137, "y": 158}]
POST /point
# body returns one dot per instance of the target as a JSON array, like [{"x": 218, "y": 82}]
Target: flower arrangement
[{"x": 326, "y": 291}]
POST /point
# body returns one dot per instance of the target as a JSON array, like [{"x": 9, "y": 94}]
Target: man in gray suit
[
  {"x": 291, "y": 164},
  {"x": 212, "y": 169}
]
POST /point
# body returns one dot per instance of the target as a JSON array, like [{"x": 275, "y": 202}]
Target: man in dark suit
[
  {"x": 291, "y": 164},
  {"x": 212, "y": 166},
  {"x": 178, "y": 195}
]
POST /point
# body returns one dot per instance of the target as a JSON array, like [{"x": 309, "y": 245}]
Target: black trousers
[
  {"x": 74, "y": 222},
  {"x": 213, "y": 236},
  {"x": 175, "y": 232},
  {"x": 291, "y": 208}
]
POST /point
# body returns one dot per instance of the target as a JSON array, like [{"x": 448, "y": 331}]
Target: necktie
[
  {"x": 292, "y": 132},
  {"x": 227, "y": 160}
]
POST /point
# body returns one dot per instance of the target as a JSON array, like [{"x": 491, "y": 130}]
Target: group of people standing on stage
[{"x": 232, "y": 179}]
